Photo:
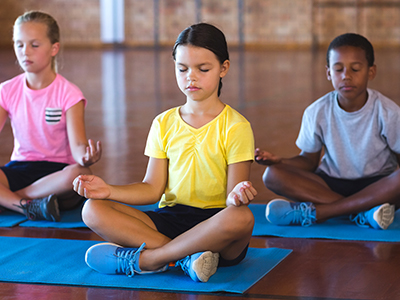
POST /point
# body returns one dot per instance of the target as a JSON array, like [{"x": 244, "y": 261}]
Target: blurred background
[{"x": 119, "y": 53}]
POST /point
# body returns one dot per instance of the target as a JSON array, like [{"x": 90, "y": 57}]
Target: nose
[
  {"x": 190, "y": 76},
  {"x": 24, "y": 49},
  {"x": 346, "y": 74}
]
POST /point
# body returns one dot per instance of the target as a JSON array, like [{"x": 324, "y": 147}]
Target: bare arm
[
  {"x": 3, "y": 117},
  {"x": 305, "y": 160},
  {"x": 239, "y": 189},
  {"x": 85, "y": 152},
  {"x": 148, "y": 191}
]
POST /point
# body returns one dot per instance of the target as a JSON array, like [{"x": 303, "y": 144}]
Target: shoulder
[
  {"x": 233, "y": 116},
  {"x": 167, "y": 118},
  {"x": 385, "y": 108},
  {"x": 325, "y": 100},
  {"x": 67, "y": 85},
  {"x": 167, "y": 115},
  {"x": 17, "y": 81},
  {"x": 322, "y": 105},
  {"x": 382, "y": 100}
]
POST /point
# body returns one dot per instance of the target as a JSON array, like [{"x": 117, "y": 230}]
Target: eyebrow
[
  {"x": 199, "y": 65},
  {"x": 353, "y": 63}
]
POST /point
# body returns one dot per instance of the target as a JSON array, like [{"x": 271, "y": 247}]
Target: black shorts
[
  {"x": 173, "y": 221},
  {"x": 348, "y": 187},
  {"x": 21, "y": 174}
]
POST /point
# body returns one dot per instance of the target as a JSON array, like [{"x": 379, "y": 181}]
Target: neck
[
  {"x": 40, "y": 81},
  {"x": 198, "y": 114},
  {"x": 203, "y": 107}
]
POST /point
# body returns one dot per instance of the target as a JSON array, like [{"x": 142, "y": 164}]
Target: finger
[
  {"x": 77, "y": 187},
  {"x": 243, "y": 196},
  {"x": 85, "y": 193},
  {"x": 248, "y": 194},
  {"x": 98, "y": 146}
]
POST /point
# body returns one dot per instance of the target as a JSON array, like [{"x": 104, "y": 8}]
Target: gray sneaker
[{"x": 41, "y": 209}]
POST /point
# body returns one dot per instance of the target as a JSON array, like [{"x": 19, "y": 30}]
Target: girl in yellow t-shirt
[{"x": 199, "y": 165}]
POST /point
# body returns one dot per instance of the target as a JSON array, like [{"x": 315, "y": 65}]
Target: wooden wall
[{"x": 252, "y": 23}]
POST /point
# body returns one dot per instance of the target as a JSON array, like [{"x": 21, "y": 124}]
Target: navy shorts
[
  {"x": 21, "y": 174},
  {"x": 348, "y": 187},
  {"x": 173, "y": 221}
]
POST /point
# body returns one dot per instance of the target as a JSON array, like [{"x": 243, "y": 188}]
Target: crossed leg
[
  {"x": 304, "y": 186},
  {"x": 59, "y": 183},
  {"x": 227, "y": 233}
]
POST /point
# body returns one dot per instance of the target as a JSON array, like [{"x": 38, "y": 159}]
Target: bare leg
[
  {"x": 298, "y": 185},
  {"x": 303, "y": 186},
  {"x": 386, "y": 190},
  {"x": 59, "y": 183},
  {"x": 227, "y": 232}
]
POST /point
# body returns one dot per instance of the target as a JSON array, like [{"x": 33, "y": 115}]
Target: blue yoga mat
[
  {"x": 61, "y": 262},
  {"x": 73, "y": 219},
  {"x": 9, "y": 218},
  {"x": 337, "y": 228}
]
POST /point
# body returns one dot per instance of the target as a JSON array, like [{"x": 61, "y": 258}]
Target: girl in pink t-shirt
[{"x": 47, "y": 118}]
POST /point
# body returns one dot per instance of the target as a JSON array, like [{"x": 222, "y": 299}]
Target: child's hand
[
  {"x": 93, "y": 153},
  {"x": 265, "y": 158},
  {"x": 241, "y": 194},
  {"x": 90, "y": 186}
]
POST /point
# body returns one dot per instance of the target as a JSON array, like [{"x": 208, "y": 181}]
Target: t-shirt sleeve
[
  {"x": 2, "y": 96},
  {"x": 391, "y": 128},
  {"x": 154, "y": 147},
  {"x": 240, "y": 143},
  {"x": 73, "y": 96},
  {"x": 309, "y": 139}
]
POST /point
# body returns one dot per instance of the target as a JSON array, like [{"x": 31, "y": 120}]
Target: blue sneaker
[
  {"x": 199, "y": 266},
  {"x": 108, "y": 258},
  {"x": 379, "y": 217},
  {"x": 283, "y": 212}
]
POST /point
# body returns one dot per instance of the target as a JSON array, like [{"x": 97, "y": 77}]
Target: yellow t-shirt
[{"x": 198, "y": 159}]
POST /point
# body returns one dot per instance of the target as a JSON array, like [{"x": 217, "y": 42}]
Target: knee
[
  {"x": 242, "y": 220},
  {"x": 271, "y": 176},
  {"x": 92, "y": 212},
  {"x": 73, "y": 171}
]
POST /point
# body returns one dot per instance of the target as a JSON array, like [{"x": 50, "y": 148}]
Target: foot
[
  {"x": 108, "y": 258},
  {"x": 379, "y": 217},
  {"x": 283, "y": 212},
  {"x": 199, "y": 266},
  {"x": 41, "y": 209}
]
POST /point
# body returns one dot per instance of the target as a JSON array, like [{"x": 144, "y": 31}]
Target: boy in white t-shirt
[{"x": 357, "y": 130}]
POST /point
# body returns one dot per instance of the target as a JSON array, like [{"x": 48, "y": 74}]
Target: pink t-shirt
[{"x": 38, "y": 118}]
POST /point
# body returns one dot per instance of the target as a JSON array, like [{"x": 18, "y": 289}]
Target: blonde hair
[{"x": 53, "y": 31}]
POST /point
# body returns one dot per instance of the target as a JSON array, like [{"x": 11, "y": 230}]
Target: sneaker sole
[
  {"x": 55, "y": 213},
  {"x": 206, "y": 265},
  {"x": 384, "y": 216},
  {"x": 267, "y": 209}
]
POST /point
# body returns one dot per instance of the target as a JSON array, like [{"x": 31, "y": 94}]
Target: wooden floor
[{"x": 127, "y": 88}]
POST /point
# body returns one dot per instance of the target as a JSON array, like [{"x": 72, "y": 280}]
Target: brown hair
[{"x": 53, "y": 31}]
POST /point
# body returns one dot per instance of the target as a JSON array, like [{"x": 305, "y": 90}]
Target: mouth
[
  {"x": 347, "y": 88},
  {"x": 27, "y": 62},
  {"x": 192, "y": 88}
]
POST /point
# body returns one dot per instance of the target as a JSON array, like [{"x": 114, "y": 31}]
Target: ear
[
  {"x": 224, "y": 68},
  {"x": 372, "y": 72},
  {"x": 55, "y": 48},
  {"x": 328, "y": 73}
]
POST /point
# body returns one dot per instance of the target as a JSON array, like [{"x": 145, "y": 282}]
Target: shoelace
[
  {"x": 31, "y": 208},
  {"x": 127, "y": 259},
  {"x": 184, "y": 264},
  {"x": 302, "y": 214},
  {"x": 360, "y": 219}
]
